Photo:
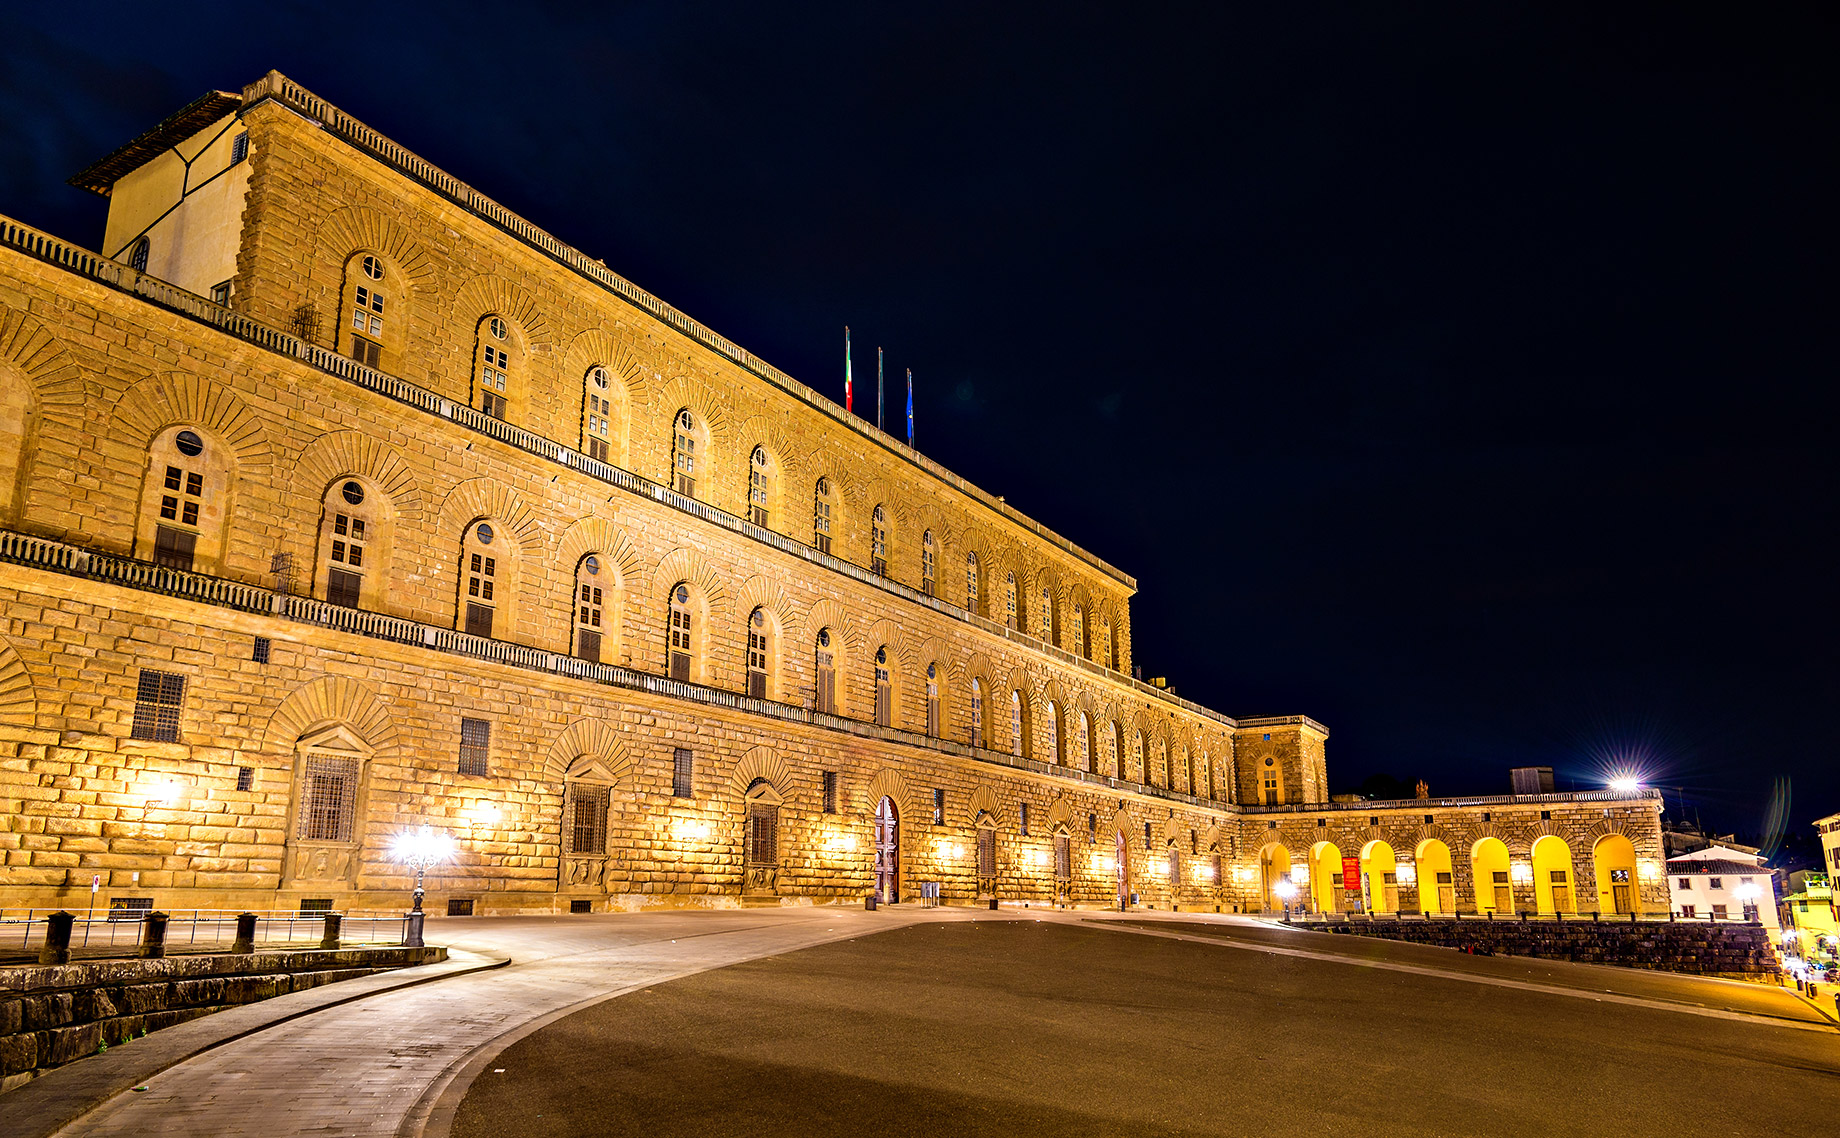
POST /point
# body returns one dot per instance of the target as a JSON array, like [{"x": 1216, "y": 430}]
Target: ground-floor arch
[
  {"x": 1380, "y": 877},
  {"x": 1274, "y": 870},
  {"x": 1488, "y": 866},
  {"x": 1552, "y": 875},
  {"x": 1437, "y": 883},
  {"x": 1614, "y": 859},
  {"x": 1326, "y": 877}
]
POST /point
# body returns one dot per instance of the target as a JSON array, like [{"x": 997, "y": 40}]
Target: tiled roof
[
  {"x": 1716, "y": 869},
  {"x": 100, "y": 177}
]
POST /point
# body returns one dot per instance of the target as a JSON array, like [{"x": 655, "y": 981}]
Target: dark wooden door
[{"x": 887, "y": 852}]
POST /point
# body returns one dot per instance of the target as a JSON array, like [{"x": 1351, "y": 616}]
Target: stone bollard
[
  {"x": 153, "y": 936},
  {"x": 412, "y": 929},
  {"x": 245, "y": 933},
  {"x": 57, "y": 938},
  {"x": 993, "y": 904},
  {"x": 329, "y": 938},
  {"x": 869, "y": 902}
]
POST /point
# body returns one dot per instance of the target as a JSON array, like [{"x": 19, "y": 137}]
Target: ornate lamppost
[{"x": 421, "y": 847}]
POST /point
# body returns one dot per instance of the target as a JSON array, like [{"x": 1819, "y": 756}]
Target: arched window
[
  {"x": 597, "y": 415},
  {"x": 1009, "y": 601},
  {"x": 499, "y": 358},
  {"x": 183, "y": 503},
  {"x": 1135, "y": 771},
  {"x": 480, "y": 555},
  {"x": 1082, "y": 744},
  {"x": 351, "y": 545},
  {"x": 1271, "y": 787},
  {"x": 683, "y": 453},
  {"x": 1056, "y": 753},
  {"x": 821, "y": 516},
  {"x": 1078, "y": 647},
  {"x": 932, "y": 700},
  {"x": 1159, "y": 764},
  {"x": 757, "y": 654},
  {"x": 884, "y": 689},
  {"x": 827, "y": 673},
  {"x": 372, "y": 302},
  {"x": 926, "y": 563},
  {"x": 1114, "y": 751},
  {"x": 759, "y": 471},
  {"x": 1045, "y": 629},
  {"x": 971, "y": 581},
  {"x": 878, "y": 542},
  {"x": 977, "y": 714},
  {"x": 1063, "y": 859},
  {"x": 761, "y": 848},
  {"x": 681, "y": 643},
  {"x": 1015, "y": 723},
  {"x": 1105, "y": 651},
  {"x": 137, "y": 259},
  {"x": 590, "y": 593},
  {"x": 1117, "y": 657}
]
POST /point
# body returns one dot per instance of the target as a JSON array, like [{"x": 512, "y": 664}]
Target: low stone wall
[
  {"x": 52, "y": 1014},
  {"x": 1735, "y": 951}
]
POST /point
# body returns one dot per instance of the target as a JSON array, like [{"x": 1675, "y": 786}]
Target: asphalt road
[{"x": 1076, "y": 1027}]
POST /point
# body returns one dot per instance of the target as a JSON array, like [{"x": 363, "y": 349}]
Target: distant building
[
  {"x": 1811, "y": 911},
  {"x": 1723, "y": 883},
  {"x": 1829, "y": 829}
]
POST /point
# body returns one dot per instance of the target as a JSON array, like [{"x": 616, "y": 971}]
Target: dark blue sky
[{"x": 1461, "y": 378}]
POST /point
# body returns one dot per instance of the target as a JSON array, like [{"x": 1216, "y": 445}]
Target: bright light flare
[
  {"x": 423, "y": 846},
  {"x": 1285, "y": 891},
  {"x": 1625, "y": 784}
]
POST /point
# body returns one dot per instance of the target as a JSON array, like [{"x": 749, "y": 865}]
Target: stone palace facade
[{"x": 338, "y": 500}]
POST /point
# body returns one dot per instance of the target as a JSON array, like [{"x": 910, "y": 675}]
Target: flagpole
[
  {"x": 910, "y": 408},
  {"x": 849, "y": 395},
  {"x": 878, "y": 389}
]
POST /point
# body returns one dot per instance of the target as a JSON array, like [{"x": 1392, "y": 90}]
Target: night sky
[{"x": 1461, "y": 379}]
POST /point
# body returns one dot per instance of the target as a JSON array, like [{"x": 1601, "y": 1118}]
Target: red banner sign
[{"x": 1351, "y": 873}]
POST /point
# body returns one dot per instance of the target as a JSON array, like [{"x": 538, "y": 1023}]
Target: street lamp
[
  {"x": 421, "y": 847},
  {"x": 1747, "y": 894},
  {"x": 1625, "y": 784},
  {"x": 1285, "y": 891}
]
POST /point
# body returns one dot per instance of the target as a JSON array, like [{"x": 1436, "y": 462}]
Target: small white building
[{"x": 1723, "y": 884}]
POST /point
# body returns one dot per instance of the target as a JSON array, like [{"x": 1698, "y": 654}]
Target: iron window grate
[
  {"x": 157, "y": 703},
  {"x": 475, "y": 746}
]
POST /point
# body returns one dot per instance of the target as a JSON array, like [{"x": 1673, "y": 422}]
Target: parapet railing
[
  {"x": 57, "y": 556},
  {"x": 280, "y": 88},
  {"x": 121, "y": 932},
  {"x": 1523, "y": 917},
  {"x": 159, "y": 292}
]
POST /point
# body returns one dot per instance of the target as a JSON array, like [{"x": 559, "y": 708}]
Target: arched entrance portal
[
  {"x": 887, "y": 852},
  {"x": 1274, "y": 870},
  {"x": 1380, "y": 873},
  {"x": 1326, "y": 877},
  {"x": 1552, "y": 875},
  {"x": 1615, "y": 860},
  {"x": 1489, "y": 870},
  {"x": 1437, "y": 887}
]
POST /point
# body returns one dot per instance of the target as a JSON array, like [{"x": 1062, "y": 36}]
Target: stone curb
[{"x": 47, "y": 1104}]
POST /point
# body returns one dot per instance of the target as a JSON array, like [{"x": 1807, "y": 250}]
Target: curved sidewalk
[{"x": 374, "y": 1065}]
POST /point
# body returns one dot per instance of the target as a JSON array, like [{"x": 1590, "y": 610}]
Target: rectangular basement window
[
  {"x": 315, "y": 906},
  {"x": 581, "y": 905},
  {"x": 245, "y": 776},
  {"x": 681, "y": 771},
  {"x": 459, "y": 906}
]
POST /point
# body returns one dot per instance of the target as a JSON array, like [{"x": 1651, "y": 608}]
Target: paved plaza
[{"x": 819, "y": 1021}]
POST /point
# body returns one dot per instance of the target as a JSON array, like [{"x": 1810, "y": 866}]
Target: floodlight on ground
[{"x": 1285, "y": 891}]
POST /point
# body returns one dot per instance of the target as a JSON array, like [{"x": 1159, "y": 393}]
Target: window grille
[
  {"x": 239, "y": 147},
  {"x": 939, "y": 806},
  {"x": 830, "y": 792},
  {"x": 475, "y": 746},
  {"x": 261, "y": 651},
  {"x": 330, "y": 799},
  {"x": 245, "y": 777},
  {"x": 580, "y": 905},
  {"x": 588, "y": 819},
  {"x": 1023, "y": 815},
  {"x": 137, "y": 260},
  {"x": 680, "y": 773},
  {"x": 1146, "y": 835},
  {"x": 987, "y": 851},
  {"x": 459, "y": 906},
  {"x": 158, "y": 699},
  {"x": 312, "y": 906},
  {"x": 763, "y": 834}
]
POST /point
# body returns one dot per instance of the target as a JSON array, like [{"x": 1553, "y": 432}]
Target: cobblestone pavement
[{"x": 400, "y": 1062}]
